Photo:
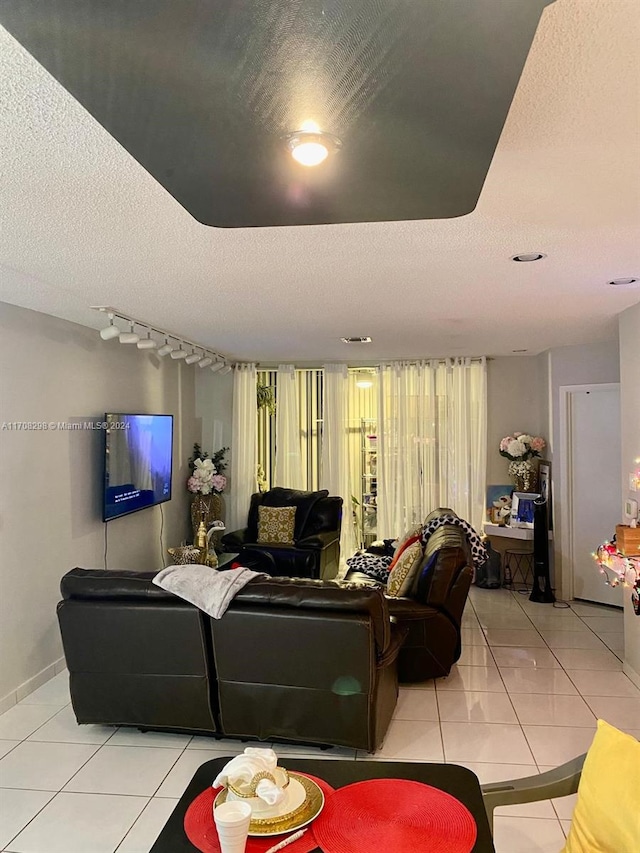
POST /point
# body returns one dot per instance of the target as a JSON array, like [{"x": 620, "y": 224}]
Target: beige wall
[
  {"x": 630, "y": 420},
  {"x": 514, "y": 402},
  {"x": 214, "y": 408},
  {"x": 50, "y": 486}
]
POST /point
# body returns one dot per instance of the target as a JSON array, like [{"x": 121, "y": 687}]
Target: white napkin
[{"x": 242, "y": 769}]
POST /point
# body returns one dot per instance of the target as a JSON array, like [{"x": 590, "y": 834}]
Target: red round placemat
[
  {"x": 396, "y": 815},
  {"x": 201, "y": 830}
]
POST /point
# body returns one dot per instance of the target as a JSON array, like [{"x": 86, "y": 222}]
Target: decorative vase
[
  {"x": 207, "y": 508},
  {"x": 523, "y": 475}
]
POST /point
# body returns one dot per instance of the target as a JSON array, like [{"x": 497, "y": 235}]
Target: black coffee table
[{"x": 455, "y": 780}]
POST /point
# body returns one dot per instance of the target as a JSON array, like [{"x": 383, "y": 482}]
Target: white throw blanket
[{"x": 208, "y": 589}]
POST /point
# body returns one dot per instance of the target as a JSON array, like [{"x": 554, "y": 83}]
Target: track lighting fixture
[
  {"x": 226, "y": 369},
  {"x": 165, "y": 349},
  {"x": 111, "y": 331},
  {"x": 191, "y": 351},
  {"x": 148, "y": 342}
]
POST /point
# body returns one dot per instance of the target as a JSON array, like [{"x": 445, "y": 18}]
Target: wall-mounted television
[{"x": 137, "y": 462}]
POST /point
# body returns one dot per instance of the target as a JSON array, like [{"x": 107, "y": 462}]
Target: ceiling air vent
[{"x": 358, "y": 339}]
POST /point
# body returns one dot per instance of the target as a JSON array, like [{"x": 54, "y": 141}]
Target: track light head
[
  {"x": 129, "y": 337},
  {"x": 179, "y": 353},
  {"x": 226, "y": 369},
  {"x": 205, "y": 362},
  {"x": 217, "y": 366},
  {"x": 111, "y": 331},
  {"x": 193, "y": 358},
  {"x": 148, "y": 342},
  {"x": 165, "y": 349}
]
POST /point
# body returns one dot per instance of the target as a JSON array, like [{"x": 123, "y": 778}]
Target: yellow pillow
[
  {"x": 276, "y": 524},
  {"x": 401, "y": 575},
  {"x": 606, "y": 818}
]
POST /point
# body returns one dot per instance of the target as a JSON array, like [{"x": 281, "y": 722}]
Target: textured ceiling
[{"x": 82, "y": 223}]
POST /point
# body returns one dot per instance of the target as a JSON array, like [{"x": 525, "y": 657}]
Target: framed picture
[
  {"x": 544, "y": 487},
  {"x": 498, "y": 503}
]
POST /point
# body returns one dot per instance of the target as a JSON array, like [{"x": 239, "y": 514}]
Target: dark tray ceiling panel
[{"x": 202, "y": 92}]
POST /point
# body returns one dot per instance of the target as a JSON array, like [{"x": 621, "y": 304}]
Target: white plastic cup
[{"x": 232, "y": 822}]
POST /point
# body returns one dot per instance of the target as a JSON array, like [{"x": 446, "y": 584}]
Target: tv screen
[{"x": 137, "y": 466}]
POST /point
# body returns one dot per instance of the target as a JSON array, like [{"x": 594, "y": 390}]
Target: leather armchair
[{"x": 315, "y": 552}]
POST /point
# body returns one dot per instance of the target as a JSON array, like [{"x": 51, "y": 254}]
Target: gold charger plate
[{"x": 304, "y": 814}]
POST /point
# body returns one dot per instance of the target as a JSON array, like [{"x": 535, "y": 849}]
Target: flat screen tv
[{"x": 137, "y": 462}]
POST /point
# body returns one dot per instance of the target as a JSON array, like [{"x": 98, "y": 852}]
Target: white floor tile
[
  {"x": 409, "y": 741},
  {"x": 604, "y": 624},
  {"x": 588, "y": 659},
  {"x": 521, "y": 638},
  {"x": 603, "y": 683},
  {"x": 17, "y": 808},
  {"x": 553, "y": 710},
  {"x": 416, "y": 705},
  {"x": 472, "y": 637},
  {"x": 420, "y": 685},
  {"x": 618, "y": 711},
  {"x": 124, "y": 770},
  {"x": 476, "y": 656},
  {"x": 225, "y": 746},
  {"x": 613, "y": 641},
  {"x": 132, "y": 737},
  {"x": 545, "y": 622},
  {"x": 566, "y": 826},
  {"x": 499, "y": 772},
  {"x": 79, "y": 823},
  {"x": 288, "y": 751},
  {"x": 183, "y": 772},
  {"x": 20, "y": 721},
  {"x": 572, "y": 640},
  {"x": 43, "y": 766},
  {"x": 582, "y": 609},
  {"x": 63, "y": 728},
  {"x": 483, "y": 678},
  {"x": 554, "y": 745},
  {"x": 485, "y": 742},
  {"x": 510, "y": 621},
  {"x": 54, "y": 692},
  {"x": 7, "y": 745},
  {"x": 527, "y": 835},
  {"x": 524, "y": 680},
  {"x": 148, "y": 827},
  {"x": 540, "y": 658},
  {"x": 475, "y": 707}
]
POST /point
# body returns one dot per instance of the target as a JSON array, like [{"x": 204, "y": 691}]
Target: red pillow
[{"x": 402, "y": 548}]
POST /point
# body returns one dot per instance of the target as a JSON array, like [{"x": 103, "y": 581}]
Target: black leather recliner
[{"x": 315, "y": 552}]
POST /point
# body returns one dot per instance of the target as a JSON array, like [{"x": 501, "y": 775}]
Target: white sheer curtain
[
  {"x": 244, "y": 453},
  {"x": 432, "y": 436},
  {"x": 288, "y": 469},
  {"x": 335, "y": 474}
]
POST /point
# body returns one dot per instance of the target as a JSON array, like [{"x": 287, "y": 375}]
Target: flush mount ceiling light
[
  {"x": 527, "y": 257},
  {"x": 616, "y": 282},
  {"x": 397, "y": 82},
  {"x": 358, "y": 339},
  {"x": 310, "y": 146}
]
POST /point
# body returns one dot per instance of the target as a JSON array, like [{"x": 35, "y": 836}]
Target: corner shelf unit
[{"x": 369, "y": 481}]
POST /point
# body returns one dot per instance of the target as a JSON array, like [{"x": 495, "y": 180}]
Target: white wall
[
  {"x": 214, "y": 408},
  {"x": 629, "y": 324},
  {"x": 50, "y": 488}
]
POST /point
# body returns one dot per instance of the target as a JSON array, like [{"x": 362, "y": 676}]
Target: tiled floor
[{"x": 524, "y": 698}]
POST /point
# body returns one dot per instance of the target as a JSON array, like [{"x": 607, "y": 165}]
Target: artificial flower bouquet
[
  {"x": 521, "y": 446},
  {"x": 207, "y": 472}
]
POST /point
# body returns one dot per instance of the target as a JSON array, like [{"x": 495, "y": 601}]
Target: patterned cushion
[
  {"x": 276, "y": 524},
  {"x": 373, "y": 565},
  {"x": 401, "y": 576},
  {"x": 402, "y": 547}
]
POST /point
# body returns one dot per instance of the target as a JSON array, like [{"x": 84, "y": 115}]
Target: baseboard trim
[
  {"x": 27, "y": 687},
  {"x": 631, "y": 673}
]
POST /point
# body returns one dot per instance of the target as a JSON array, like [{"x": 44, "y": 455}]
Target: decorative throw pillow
[
  {"x": 401, "y": 576},
  {"x": 375, "y": 566},
  {"x": 607, "y": 813},
  {"x": 276, "y": 524},
  {"x": 402, "y": 547}
]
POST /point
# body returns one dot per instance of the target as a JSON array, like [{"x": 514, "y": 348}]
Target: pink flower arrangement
[{"x": 521, "y": 446}]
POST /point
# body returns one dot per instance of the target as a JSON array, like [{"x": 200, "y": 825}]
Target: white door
[{"x": 594, "y": 418}]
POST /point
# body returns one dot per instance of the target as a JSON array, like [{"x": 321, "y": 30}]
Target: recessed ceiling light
[
  {"x": 310, "y": 146},
  {"x": 526, "y": 257},
  {"x": 358, "y": 339},
  {"x": 621, "y": 281}
]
